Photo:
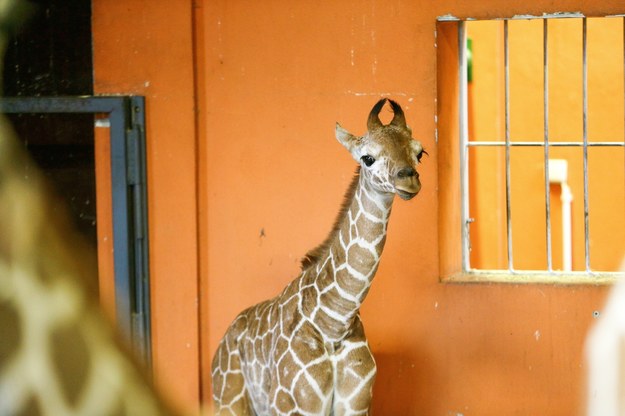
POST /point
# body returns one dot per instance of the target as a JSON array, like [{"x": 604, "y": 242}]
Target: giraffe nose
[{"x": 407, "y": 172}]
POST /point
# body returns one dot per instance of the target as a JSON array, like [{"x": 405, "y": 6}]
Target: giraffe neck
[{"x": 341, "y": 276}]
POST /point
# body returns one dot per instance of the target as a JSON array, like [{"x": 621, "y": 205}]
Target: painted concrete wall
[
  {"x": 146, "y": 48},
  {"x": 245, "y": 176}
]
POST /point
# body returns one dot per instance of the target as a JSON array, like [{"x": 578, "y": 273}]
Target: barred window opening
[{"x": 542, "y": 148}]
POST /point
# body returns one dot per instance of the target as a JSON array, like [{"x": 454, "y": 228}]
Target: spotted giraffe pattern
[
  {"x": 58, "y": 355},
  {"x": 304, "y": 352}
]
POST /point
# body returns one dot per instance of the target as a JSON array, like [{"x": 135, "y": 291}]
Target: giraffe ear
[{"x": 351, "y": 142}]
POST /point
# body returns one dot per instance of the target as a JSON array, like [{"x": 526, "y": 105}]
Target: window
[{"x": 531, "y": 133}]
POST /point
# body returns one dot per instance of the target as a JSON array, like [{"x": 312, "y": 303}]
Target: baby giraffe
[{"x": 304, "y": 352}]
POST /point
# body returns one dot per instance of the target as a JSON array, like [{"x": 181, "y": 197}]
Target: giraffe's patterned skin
[
  {"x": 58, "y": 355},
  {"x": 304, "y": 352}
]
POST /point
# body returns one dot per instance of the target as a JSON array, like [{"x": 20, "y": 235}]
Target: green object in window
[{"x": 469, "y": 60}]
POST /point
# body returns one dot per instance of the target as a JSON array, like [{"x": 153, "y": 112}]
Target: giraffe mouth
[
  {"x": 407, "y": 187},
  {"x": 406, "y": 195}
]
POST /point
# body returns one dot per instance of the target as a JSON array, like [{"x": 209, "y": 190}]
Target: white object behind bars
[{"x": 558, "y": 174}]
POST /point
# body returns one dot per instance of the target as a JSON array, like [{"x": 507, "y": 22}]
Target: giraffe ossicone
[{"x": 304, "y": 352}]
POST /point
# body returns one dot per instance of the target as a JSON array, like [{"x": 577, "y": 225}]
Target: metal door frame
[{"x": 126, "y": 115}]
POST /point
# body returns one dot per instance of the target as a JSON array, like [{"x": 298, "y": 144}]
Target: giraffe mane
[{"x": 312, "y": 257}]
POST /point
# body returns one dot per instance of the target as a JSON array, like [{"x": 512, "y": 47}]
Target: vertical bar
[
  {"x": 121, "y": 222},
  {"x": 137, "y": 111},
  {"x": 585, "y": 139},
  {"x": 546, "y": 139},
  {"x": 507, "y": 136},
  {"x": 463, "y": 139}
]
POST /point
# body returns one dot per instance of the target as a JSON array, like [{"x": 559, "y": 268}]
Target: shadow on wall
[{"x": 399, "y": 366}]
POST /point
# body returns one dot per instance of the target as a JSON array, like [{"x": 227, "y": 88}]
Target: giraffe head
[{"x": 388, "y": 154}]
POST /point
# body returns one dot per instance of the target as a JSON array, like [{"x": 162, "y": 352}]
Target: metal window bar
[
  {"x": 544, "y": 143},
  {"x": 465, "y": 144},
  {"x": 546, "y": 138},
  {"x": 506, "y": 58},
  {"x": 585, "y": 138},
  {"x": 464, "y": 141}
]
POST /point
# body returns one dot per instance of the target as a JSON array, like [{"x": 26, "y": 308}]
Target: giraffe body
[{"x": 304, "y": 352}]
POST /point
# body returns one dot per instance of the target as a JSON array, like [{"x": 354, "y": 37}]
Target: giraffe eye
[
  {"x": 368, "y": 160},
  {"x": 420, "y": 155}
]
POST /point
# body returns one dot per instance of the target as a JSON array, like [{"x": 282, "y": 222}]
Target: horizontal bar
[
  {"x": 541, "y": 144},
  {"x": 546, "y": 16},
  {"x": 554, "y": 272},
  {"x": 557, "y": 15},
  {"x": 70, "y": 104},
  {"x": 518, "y": 277}
]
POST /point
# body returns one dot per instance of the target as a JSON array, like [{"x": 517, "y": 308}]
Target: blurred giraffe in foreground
[{"x": 58, "y": 355}]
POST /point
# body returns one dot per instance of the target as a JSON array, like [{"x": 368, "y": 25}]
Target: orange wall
[
  {"x": 272, "y": 79},
  {"x": 146, "y": 48},
  {"x": 605, "y": 123}
]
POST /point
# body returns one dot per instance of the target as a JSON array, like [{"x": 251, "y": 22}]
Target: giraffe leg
[
  {"x": 355, "y": 371},
  {"x": 229, "y": 393}
]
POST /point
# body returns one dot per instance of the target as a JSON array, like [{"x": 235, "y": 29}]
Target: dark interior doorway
[{"x": 50, "y": 55}]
